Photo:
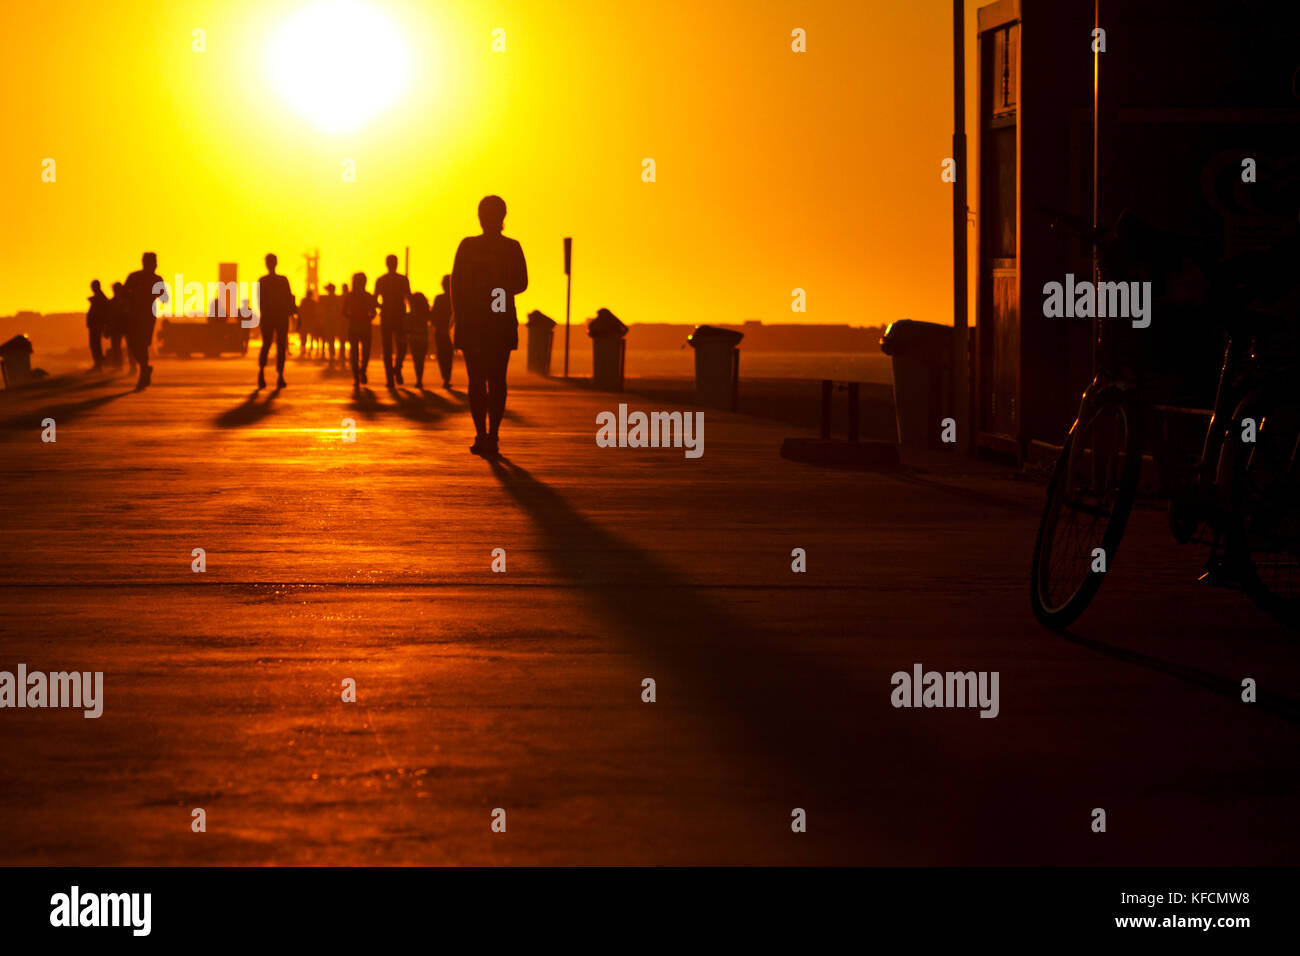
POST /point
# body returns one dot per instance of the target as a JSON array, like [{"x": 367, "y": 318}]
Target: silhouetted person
[
  {"x": 393, "y": 290},
  {"x": 277, "y": 306},
  {"x": 343, "y": 316},
  {"x": 309, "y": 324},
  {"x": 142, "y": 289},
  {"x": 330, "y": 309},
  {"x": 97, "y": 319},
  {"x": 359, "y": 310},
  {"x": 442, "y": 331},
  {"x": 488, "y": 273},
  {"x": 417, "y": 334},
  {"x": 245, "y": 313},
  {"x": 116, "y": 330}
]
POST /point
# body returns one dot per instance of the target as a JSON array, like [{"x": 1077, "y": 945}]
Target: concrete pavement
[{"x": 478, "y": 690}]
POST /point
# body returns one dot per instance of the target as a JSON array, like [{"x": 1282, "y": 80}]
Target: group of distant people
[
  {"x": 405, "y": 320},
  {"x": 477, "y": 302},
  {"x": 127, "y": 315}
]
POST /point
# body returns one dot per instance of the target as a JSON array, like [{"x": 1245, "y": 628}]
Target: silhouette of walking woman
[
  {"x": 417, "y": 334},
  {"x": 97, "y": 323},
  {"x": 359, "y": 310},
  {"x": 442, "y": 319},
  {"x": 488, "y": 273},
  {"x": 118, "y": 319}
]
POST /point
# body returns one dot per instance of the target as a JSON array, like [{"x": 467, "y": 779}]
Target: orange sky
[{"x": 775, "y": 170}]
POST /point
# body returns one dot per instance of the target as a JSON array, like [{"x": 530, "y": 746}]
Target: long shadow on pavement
[
  {"x": 1269, "y": 702},
  {"x": 77, "y": 381},
  {"x": 364, "y": 402},
  {"x": 61, "y": 413},
  {"x": 248, "y": 412},
  {"x": 799, "y": 716},
  {"x": 426, "y": 407}
]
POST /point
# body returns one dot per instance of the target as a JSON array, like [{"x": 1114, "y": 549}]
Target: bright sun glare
[{"x": 338, "y": 63}]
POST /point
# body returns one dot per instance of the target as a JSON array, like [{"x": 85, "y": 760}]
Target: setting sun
[
  {"x": 338, "y": 63},
  {"x": 359, "y": 127}
]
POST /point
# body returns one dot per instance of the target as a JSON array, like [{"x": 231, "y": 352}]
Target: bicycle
[{"x": 1240, "y": 494}]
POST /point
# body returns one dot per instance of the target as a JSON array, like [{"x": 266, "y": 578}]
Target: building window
[{"x": 1005, "y": 54}]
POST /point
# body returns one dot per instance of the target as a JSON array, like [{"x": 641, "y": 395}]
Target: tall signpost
[{"x": 568, "y": 296}]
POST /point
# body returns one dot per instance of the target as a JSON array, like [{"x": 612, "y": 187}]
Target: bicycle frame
[{"x": 1195, "y": 489}]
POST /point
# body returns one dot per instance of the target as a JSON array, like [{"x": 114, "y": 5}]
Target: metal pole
[
  {"x": 827, "y": 387},
  {"x": 854, "y": 406},
  {"x": 961, "y": 335},
  {"x": 568, "y": 297},
  {"x": 1097, "y": 343},
  {"x": 406, "y": 271},
  {"x": 735, "y": 379}
]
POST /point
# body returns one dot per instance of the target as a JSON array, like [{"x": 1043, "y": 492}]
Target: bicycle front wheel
[{"x": 1089, "y": 499}]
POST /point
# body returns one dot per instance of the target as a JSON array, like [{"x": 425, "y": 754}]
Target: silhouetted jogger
[
  {"x": 97, "y": 318},
  {"x": 142, "y": 289},
  {"x": 442, "y": 331},
  {"x": 417, "y": 334},
  {"x": 488, "y": 273},
  {"x": 359, "y": 310},
  {"x": 393, "y": 289},
  {"x": 277, "y": 305}
]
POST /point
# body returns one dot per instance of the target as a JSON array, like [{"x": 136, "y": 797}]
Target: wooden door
[{"x": 998, "y": 306}]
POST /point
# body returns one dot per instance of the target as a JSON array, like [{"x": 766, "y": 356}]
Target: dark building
[{"x": 1186, "y": 91}]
